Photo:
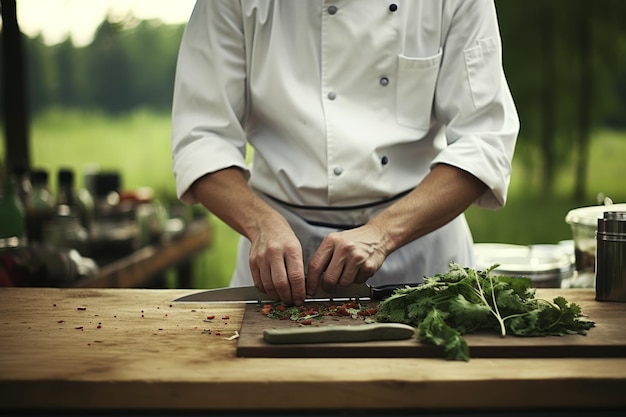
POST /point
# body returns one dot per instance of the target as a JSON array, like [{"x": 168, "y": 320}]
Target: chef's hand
[
  {"x": 275, "y": 255},
  {"x": 276, "y": 262},
  {"x": 345, "y": 258}
]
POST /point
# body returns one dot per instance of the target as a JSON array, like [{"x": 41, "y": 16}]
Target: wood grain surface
[
  {"x": 607, "y": 339},
  {"x": 101, "y": 350}
]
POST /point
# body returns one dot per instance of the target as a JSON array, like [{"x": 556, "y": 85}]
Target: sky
[{"x": 56, "y": 19}]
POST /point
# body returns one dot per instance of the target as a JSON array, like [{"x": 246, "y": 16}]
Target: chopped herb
[{"x": 310, "y": 311}]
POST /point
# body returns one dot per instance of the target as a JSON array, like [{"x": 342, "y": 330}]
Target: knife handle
[
  {"x": 339, "y": 333},
  {"x": 382, "y": 292}
]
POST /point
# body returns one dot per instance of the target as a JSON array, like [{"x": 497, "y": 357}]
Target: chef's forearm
[
  {"x": 444, "y": 194},
  {"x": 227, "y": 195}
]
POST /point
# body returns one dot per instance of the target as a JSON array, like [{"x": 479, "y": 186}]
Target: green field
[{"x": 138, "y": 145}]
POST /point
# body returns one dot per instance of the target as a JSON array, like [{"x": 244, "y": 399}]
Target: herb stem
[
  {"x": 495, "y": 305},
  {"x": 481, "y": 294}
]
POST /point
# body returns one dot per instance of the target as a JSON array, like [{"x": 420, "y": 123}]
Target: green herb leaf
[
  {"x": 464, "y": 300},
  {"x": 435, "y": 330}
]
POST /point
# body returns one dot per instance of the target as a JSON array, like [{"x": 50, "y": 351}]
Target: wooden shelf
[{"x": 140, "y": 268}]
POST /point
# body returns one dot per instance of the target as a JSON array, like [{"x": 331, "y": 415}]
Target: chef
[{"x": 371, "y": 125}]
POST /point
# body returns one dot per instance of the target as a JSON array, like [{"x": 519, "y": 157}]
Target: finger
[
  {"x": 295, "y": 275},
  {"x": 279, "y": 280},
  {"x": 256, "y": 276},
  {"x": 317, "y": 265},
  {"x": 332, "y": 274},
  {"x": 261, "y": 274},
  {"x": 365, "y": 271},
  {"x": 268, "y": 283},
  {"x": 348, "y": 275},
  {"x": 337, "y": 254},
  {"x": 361, "y": 277}
]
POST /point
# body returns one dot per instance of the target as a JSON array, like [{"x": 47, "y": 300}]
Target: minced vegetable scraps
[{"x": 306, "y": 314}]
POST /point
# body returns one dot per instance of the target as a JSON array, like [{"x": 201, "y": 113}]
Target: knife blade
[
  {"x": 339, "y": 333},
  {"x": 251, "y": 294}
]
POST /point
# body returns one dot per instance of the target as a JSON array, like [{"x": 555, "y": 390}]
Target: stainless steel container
[
  {"x": 584, "y": 225},
  {"x": 547, "y": 266},
  {"x": 611, "y": 257},
  {"x": 544, "y": 271}
]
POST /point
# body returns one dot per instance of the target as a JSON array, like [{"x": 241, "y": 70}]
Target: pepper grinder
[{"x": 611, "y": 257}]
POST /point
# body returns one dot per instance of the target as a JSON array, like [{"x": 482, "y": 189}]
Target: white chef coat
[{"x": 346, "y": 103}]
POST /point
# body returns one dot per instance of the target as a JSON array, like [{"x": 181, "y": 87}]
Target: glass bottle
[
  {"x": 65, "y": 191},
  {"x": 22, "y": 182},
  {"x": 86, "y": 204},
  {"x": 65, "y": 229},
  {"x": 39, "y": 206},
  {"x": 12, "y": 219}
]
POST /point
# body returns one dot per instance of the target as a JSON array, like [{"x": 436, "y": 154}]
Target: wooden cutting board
[{"x": 606, "y": 339}]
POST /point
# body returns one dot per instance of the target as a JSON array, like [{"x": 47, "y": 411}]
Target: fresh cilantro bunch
[{"x": 465, "y": 300}]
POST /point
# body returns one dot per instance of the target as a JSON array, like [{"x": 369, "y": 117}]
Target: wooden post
[{"x": 14, "y": 92}]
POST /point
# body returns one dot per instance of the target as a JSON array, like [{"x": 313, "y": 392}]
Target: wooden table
[{"x": 114, "y": 350}]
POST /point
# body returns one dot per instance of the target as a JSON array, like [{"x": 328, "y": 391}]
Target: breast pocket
[{"x": 417, "y": 78}]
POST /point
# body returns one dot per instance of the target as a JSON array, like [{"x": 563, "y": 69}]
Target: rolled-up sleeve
[
  {"x": 209, "y": 101},
  {"x": 474, "y": 102}
]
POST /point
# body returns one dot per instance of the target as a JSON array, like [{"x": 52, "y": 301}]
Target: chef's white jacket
[{"x": 346, "y": 104}]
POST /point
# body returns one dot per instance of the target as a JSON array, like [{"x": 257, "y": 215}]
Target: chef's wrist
[{"x": 385, "y": 239}]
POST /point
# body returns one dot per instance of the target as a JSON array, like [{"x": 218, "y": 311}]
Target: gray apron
[{"x": 426, "y": 256}]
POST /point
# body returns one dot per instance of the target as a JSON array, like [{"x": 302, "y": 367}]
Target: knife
[
  {"x": 251, "y": 294},
  {"x": 339, "y": 333}
]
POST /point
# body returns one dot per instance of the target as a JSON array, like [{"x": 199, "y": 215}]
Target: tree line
[
  {"x": 129, "y": 64},
  {"x": 565, "y": 61},
  {"x": 566, "y": 64}
]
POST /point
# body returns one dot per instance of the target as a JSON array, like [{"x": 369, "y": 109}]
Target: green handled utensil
[{"x": 339, "y": 333}]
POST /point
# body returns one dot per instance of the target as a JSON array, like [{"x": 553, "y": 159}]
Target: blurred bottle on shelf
[
  {"x": 12, "y": 217},
  {"x": 115, "y": 230},
  {"x": 106, "y": 186},
  {"x": 52, "y": 257},
  {"x": 87, "y": 209},
  {"x": 65, "y": 229},
  {"x": 79, "y": 198},
  {"x": 40, "y": 205},
  {"x": 22, "y": 184},
  {"x": 12, "y": 229},
  {"x": 65, "y": 188}
]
